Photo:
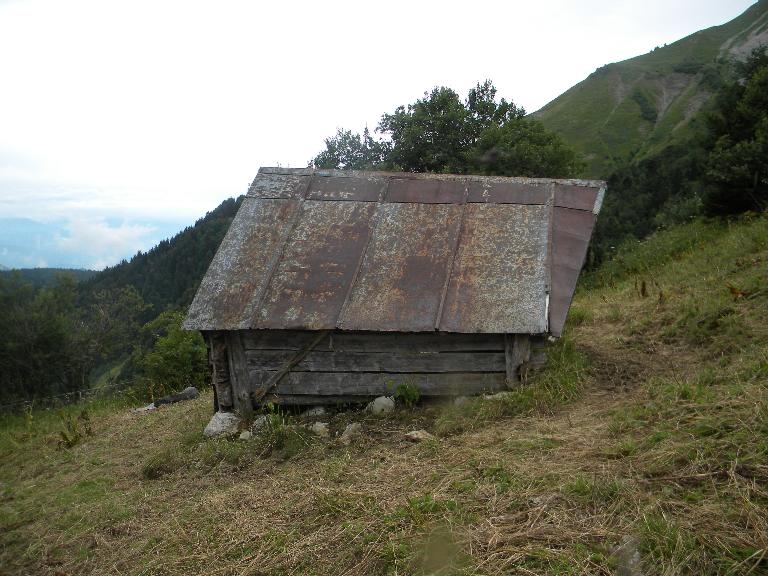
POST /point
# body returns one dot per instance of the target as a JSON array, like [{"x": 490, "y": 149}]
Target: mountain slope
[
  {"x": 641, "y": 448},
  {"x": 631, "y": 108}
]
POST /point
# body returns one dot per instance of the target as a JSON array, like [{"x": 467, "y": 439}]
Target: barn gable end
[{"x": 416, "y": 270}]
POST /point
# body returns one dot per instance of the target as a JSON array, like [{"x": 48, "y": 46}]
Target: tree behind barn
[{"x": 443, "y": 134}]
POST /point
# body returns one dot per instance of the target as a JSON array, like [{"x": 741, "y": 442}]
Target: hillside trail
[{"x": 578, "y": 437}]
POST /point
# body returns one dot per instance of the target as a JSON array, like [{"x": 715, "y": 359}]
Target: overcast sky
[{"x": 121, "y": 122}]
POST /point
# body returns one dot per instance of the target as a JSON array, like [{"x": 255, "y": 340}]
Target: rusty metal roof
[{"x": 325, "y": 249}]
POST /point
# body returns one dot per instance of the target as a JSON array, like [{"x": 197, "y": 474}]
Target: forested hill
[
  {"x": 39, "y": 277},
  {"x": 634, "y": 108},
  {"x": 168, "y": 275}
]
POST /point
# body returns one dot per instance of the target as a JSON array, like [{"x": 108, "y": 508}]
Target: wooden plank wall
[{"x": 355, "y": 366}]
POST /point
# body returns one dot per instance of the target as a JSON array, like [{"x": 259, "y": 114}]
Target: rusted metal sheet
[
  {"x": 501, "y": 192},
  {"x": 427, "y": 191},
  {"x": 239, "y": 268},
  {"x": 354, "y": 189},
  {"x": 310, "y": 283},
  {"x": 572, "y": 230},
  {"x": 322, "y": 249},
  {"x": 278, "y": 186},
  {"x": 576, "y": 197},
  {"x": 499, "y": 281},
  {"x": 404, "y": 269}
]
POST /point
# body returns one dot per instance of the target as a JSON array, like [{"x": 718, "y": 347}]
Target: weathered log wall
[{"x": 343, "y": 367}]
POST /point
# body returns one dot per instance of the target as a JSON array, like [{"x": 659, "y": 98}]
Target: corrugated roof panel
[
  {"x": 427, "y": 191},
  {"x": 404, "y": 270},
  {"x": 317, "y": 265},
  {"x": 502, "y": 192},
  {"x": 239, "y": 269},
  {"x": 316, "y": 249},
  {"x": 570, "y": 240},
  {"x": 499, "y": 280},
  {"x": 356, "y": 189},
  {"x": 285, "y": 186},
  {"x": 576, "y": 197}
]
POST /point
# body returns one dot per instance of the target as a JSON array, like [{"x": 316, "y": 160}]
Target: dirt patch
[{"x": 616, "y": 369}]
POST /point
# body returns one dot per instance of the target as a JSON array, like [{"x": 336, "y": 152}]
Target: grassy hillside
[
  {"x": 632, "y": 108},
  {"x": 646, "y": 437}
]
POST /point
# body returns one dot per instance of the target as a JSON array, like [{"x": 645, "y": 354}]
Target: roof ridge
[{"x": 278, "y": 170}]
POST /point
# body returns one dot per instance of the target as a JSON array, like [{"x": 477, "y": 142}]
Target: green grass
[{"x": 562, "y": 381}]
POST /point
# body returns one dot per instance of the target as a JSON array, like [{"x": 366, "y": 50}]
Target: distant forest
[
  {"x": 40, "y": 277},
  {"x": 56, "y": 332}
]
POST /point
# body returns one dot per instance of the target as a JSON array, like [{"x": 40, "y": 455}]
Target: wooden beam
[
  {"x": 373, "y": 341},
  {"x": 381, "y": 384},
  {"x": 517, "y": 351},
  {"x": 401, "y": 362}
]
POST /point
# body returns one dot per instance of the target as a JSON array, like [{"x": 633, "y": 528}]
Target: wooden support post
[
  {"x": 219, "y": 360},
  {"x": 238, "y": 371},
  {"x": 517, "y": 351}
]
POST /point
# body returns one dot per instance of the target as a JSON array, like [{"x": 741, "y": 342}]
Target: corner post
[
  {"x": 517, "y": 352},
  {"x": 241, "y": 390}
]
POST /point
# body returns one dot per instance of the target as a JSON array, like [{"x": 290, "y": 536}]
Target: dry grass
[{"x": 666, "y": 443}]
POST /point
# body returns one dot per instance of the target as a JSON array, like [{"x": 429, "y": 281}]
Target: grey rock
[
  {"x": 350, "y": 432},
  {"x": 381, "y": 405},
  {"x": 222, "y": 424},
  {"x": 460, "y": 400},
  {"x": 259, "y": 423},
  {"x": 497, "y": 396},
  {"x": 319, "y": 428},
  {"x": 627, "y": 555},
  {"x": 314, "y": 412},
  {"x": 143, "y": 409},
  {"x": 189, "y": 393},
  {"x": 245, "y": 435},
  {"x": 418, "y": 436}
]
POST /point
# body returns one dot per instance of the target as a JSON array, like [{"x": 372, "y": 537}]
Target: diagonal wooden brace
[{"x": 259, "y": 394}]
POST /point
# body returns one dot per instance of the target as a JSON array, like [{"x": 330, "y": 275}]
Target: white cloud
[{"x": 99, "y": 244}]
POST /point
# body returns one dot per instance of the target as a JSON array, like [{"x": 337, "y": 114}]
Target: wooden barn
[{"x": 338, "y": 286}]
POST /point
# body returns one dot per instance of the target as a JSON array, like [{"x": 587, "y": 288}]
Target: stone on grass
[
  {"x": 497, "y": 396},
  {"x": 627, "y": 557},
  {"x": 381, "y": 405},
  {"x": 222, "y": 424},
  {"x": 245, "y": 435},
  {"x": 314, "y": 412},
  {"x": 350, "y": 432},
  {"x": 460, "y": 400},
  {"x": 419, "y": 436},
  {"x": 259, "y": 423},
  {"x": 319, "y": 428},
  {"x": 189, "y": 393},
  {"x": 147, "y": 408}
]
